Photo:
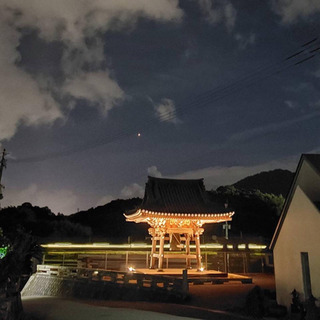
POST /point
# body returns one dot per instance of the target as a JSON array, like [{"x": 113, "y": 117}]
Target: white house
[{"x": 296, "y": 242}]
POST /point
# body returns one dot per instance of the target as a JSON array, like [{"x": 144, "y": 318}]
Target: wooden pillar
[
  {"x": 161, "y": 250},
  {"x": 226, "y": 261},
  {"x": 153, "y": 251},
  {"x": 244, "y": 262},
  {"x": 198, "y": 251},
  {"x": 206, "y": 263},
  {"x": 106, "y": 260},
  {"x": 153, "y": 247},
  {"x": 127, "y": 259},
  {"x": 188, "y": 262}
]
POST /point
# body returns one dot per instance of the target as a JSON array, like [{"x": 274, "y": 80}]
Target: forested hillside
[
  {"x": 108, "y": 222},
  {"x": 276, "y": 181},
  {"x": 256, "y": 214},
  {"x": 42, "y": 223}
]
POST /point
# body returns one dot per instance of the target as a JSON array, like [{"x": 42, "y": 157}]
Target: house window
[{"x": 306, "y": 275}]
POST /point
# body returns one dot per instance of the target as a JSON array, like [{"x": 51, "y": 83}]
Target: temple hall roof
[{"x": 178, "y": 196}]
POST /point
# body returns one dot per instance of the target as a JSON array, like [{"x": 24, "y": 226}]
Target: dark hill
[
  {"x": 108, "y": 223},
  {"x": 276, "y": 181},
  {"x": 257, "y": 213},
  {"x": 42, "y": 224},
  {"x": 103, "y": 223}
]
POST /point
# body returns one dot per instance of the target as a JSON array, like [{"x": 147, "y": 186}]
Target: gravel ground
[{"x": 229, "y": 296}]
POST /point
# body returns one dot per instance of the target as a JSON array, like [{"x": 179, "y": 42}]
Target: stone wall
[{"x": 46, "y": 285}]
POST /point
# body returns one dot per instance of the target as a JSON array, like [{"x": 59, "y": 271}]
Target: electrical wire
[{"x": 194, "y": 103}]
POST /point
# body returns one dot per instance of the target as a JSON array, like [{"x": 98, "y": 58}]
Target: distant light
[
  {"x": 3, "y": 252},
  {"x": 131, "y": 269},
  {"x": 96, "y": 273},
  {"x": 256, "y": 246},
  {"x": 139, "y": 134},
  {"x": 201, "y": 269},
  {"x": 89, "y": 246},
  {"x": 139, "y": 244}
]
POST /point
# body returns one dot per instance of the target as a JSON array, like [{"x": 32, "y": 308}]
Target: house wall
[{"x": 300, "y": 232}]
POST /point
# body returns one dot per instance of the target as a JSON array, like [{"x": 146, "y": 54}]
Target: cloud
[
  {"x": 154, "y": 172},
  {"x": 97, "y": 88},
  {"x": 317, "y": 73},
  {"x": 315, "y": 150},
  {"x": 221, "y": 176},
  {"x": 132, "y": 191},
  {"x": 62, "y": 200},
  {"x": 291, "y": 10},
  {"x": 135, "y": 189},
  {"x": 291, "y": 104},
  {"x": 78, "y": 26},
  {"x": 245, "y": 41},
  {"x": 104, "y": 200},
  {"x": 251, "y": 133},
  {"x": 166, "y": 111},
  {"x": 73, "y": 19},
  {"x": 315, "y": 104},
  {"x": 22, "y": 100},
  {"x": 221, "y": 11}
]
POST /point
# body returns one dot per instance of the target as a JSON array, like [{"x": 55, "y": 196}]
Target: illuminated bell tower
[{"x": 176, "y": 211}]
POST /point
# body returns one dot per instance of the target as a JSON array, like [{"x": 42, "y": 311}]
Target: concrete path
[
  {"x": 204, "y": 303},
  {"x": 50, "y": 308}
]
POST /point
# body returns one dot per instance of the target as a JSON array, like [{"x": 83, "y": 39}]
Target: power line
[
  {"x": 196, "y": 102},
  {"x": 195, "y": 157}
]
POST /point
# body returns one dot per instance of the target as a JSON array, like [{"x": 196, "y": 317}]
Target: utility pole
[
  {"x": 226, "y": 227},
  {"x": 3, "y": 164}
]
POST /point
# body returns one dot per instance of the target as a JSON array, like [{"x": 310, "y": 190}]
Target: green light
[{"x": 3, "y": 252}]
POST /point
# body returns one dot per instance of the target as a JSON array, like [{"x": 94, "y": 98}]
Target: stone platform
[
  {"x": 140, "y": 284},
  {"x": 198, "y": 277}
]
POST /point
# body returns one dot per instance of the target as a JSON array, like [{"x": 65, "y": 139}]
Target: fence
[
  {"x": 102, "y": 281},
  {"x": 234, "y": 262}
]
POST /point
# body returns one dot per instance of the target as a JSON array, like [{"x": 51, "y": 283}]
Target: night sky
[{"x": 97, "y": 95}]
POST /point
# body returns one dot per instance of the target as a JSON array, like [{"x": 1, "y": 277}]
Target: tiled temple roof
[{"x": 178, "y": 196}]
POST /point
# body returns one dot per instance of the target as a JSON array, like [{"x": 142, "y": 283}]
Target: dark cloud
[{"x": 205, "y": 83}]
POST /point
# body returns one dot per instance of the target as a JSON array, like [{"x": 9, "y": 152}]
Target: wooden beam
[
  {"x": 179, "y": 256},
  {"x": 153, "y": 250}
]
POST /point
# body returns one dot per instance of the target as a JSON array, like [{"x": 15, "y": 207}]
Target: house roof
[
  {"x": 178, "y": 196},
  {"x": 314, "y": 161}
]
